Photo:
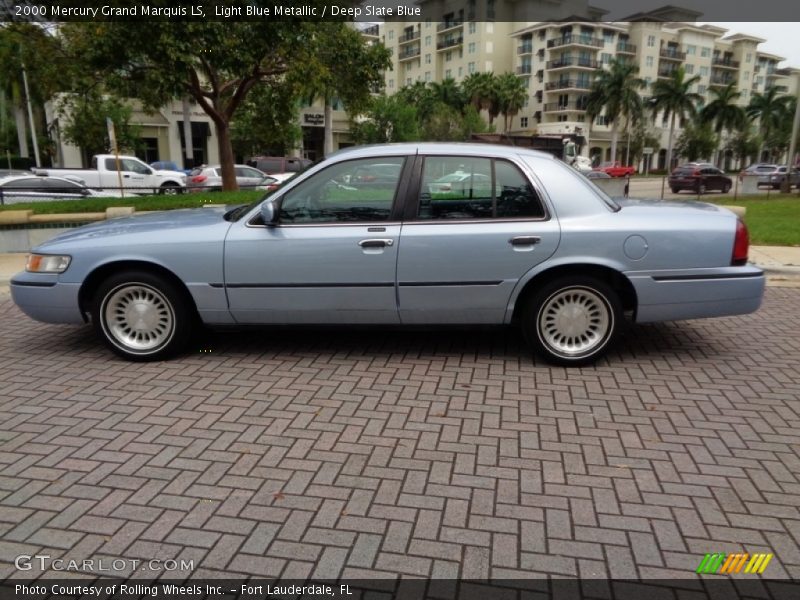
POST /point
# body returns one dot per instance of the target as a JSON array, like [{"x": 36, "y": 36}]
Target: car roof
[{"x": 460, "y": 148}]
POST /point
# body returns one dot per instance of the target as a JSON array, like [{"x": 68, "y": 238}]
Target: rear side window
[{"x": 458, "y": 187}]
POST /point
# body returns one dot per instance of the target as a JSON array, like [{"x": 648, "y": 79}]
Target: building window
[
  {"x": 391, "y": 34},
  {"x": 489, "y": 47},
  {"x": 647, "y": 80},
  {"x": 471, "y": 67},
  {"x": 705, "y": 52},
  {"x": 701, "y": 89},
  {"x": 651, "y": 41},
  {"x": 427, "y": 59},
  {"x": 649, "y": 61},
  {"x": 703, "y": 71},
  {"x": 448, "y": 74},
  {"x": 689, "y": 69},
  {"x": 747, "y": 75},
  {"x": 748, "y": 58},
  {"x": 691, "y": 50},
  {"x": 608, "y": 36},
  {"x": 427, "y": 75},
  {"x": 460, "y": 72},
  {"x": 448, "y": 56},
  {"x": 601, "y": 120},
  {"x": 391, "y": 83},
  {"x": 605, "y": 57},
  {"x": 427, "y": 40},
  {"x": 471, "y": 28},
  {"x": 471, "y": 48},
  {"x": 523, "y": 122}
]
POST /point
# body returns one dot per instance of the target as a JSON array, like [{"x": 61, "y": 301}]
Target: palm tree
[
  {"x": 723, "y": 111},
  {"x": 770, "y": 109},
  {"x": 511, "y": 95},
  {"x": 672, "y": 96},
  {"x": 479, "y": 89},
  {"x": 615, "y": 91},
  {"x": 449, "y": 93}
]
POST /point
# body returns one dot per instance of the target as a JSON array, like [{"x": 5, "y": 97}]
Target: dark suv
[
  {"x": 278, "y": 164},
  {"x": 699, "y": 178}
]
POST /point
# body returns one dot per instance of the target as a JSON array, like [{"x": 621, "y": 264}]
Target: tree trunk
[
  {"x": 614, "y": 135},
  {"x": 328, "y": 144},
  {"x": 187, "y": 135},
  {"x": 226, "y": 157},
  {"x": 22, "y": 131},
  {"x": 668, "y": 166}
]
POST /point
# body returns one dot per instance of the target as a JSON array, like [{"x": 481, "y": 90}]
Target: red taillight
[
  {"x": 696, "y": 173},
  {"x": 741, "y": 244},
  {"x": 199, "y": 178}
]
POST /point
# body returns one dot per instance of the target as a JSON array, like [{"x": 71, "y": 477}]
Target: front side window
[
  {"x": 463, "y": 187},
  {"x": 353, "y": 191}
]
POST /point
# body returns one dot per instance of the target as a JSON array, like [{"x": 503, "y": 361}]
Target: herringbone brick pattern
[{"x": 441, "y": 454}]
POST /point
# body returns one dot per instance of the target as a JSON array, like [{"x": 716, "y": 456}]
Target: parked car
[
  {"x": 209, "y": 178},
  {"x": 780, "y": 174},
  {"x": 545, "y": 250},
  {"x": 33, "y": 188},
  {"x": 278, "y": 164},
  {"x": 461, "y": 181},
  {"x": 763, "y": 170},
  {"x": 597, "y": 175},
  {"x": 274, "y": 181},
  {"x": 616, "y": 169},
  {"x": 699, "y": 178},
  {"x": 111, "y": 172}
]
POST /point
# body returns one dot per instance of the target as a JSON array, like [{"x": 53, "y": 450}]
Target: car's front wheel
[
  {"x": 571, "y": 321},
  {"x": 142, "y": 316},
  {"x": 170, "y": 189}
]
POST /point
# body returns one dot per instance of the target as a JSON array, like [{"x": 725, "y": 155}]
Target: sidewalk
[{"x": 781, "y": 263}]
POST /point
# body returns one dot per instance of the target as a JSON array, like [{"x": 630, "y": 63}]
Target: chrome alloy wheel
[
  {"x": 575, "y": 322},
  {"x": 138, "y": 318}
]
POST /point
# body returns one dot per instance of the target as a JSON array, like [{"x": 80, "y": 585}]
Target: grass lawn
[
  {"x": 773, "y": 222},
  {"x": 140, "y": 203}
]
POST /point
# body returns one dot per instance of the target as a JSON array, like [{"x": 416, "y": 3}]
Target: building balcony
[
  {"x": 625, "y": 48},
  {"x": 525, "y": 49},
  {"x": 575, "y": 40},
  {"x": 566, "y": 84},
  {"x": 445, "y": 25},
  {"x": 524, "y": 70},
  {"x": 666, "y": 72},
  {"x": 371, "y": 31},
  {"x": 565, "y": 107},
  {"x": 719, "y": 81},
  {"x": 409, "y": 53},
  {"x": 449, "y": 42},
  {"x": 578, "y": 63},
  {"x": 408, "y": 37},
  {"x": 669, "y": 54},
  {"x": 782, "y": 89},
  {"x": 725, "y": 63}
]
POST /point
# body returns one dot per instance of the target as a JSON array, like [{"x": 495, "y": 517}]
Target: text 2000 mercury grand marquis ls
[{"x": 514, "y": 237}]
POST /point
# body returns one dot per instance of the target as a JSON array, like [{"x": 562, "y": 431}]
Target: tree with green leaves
[
  {"x": 480, "y": 90},
  {"x": 389, "y": 119},
  {"x": 266, "y": 123},
  {"x": 449, "y": 93},
  {"x": 698, "y": 140},
  {"x": 673, "y": 97},
  {"x": 615, "y": 92},
  {"x": 723, "y": 112},
  {"x": 511, "y": 95},
  {"x": 217, "y": 63},
  {"x": 770, "y": 109}
]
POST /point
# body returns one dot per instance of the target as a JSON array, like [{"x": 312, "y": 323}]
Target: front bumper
[
  {"x": 697, "y": 293},
  {"x": 44, "y": 298}
]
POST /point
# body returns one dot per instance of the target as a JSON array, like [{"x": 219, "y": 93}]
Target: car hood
[{"x": 162, "y": 223}]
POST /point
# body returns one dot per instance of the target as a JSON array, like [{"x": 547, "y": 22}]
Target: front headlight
[{"x": 47, "y": 263}]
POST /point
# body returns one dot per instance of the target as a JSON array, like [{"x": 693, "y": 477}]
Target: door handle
[
  {"x": 376, "y": 243},
  {"x": 525, "y": 240}
]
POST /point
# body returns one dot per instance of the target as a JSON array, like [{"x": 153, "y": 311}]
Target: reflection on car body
[{"x": 531, "y": 243}]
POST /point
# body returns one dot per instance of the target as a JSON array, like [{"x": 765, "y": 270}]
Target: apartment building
[{"x": 558, "y": 59}]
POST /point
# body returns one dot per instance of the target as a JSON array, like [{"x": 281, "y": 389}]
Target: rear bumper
[
  {"x": 44, "y": 299},
  {"x": 697, "y": 293}
]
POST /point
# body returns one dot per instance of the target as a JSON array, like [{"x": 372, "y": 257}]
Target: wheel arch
[
  {"x": 100, "y": 273},
  {"x": 613, "y": 277}
]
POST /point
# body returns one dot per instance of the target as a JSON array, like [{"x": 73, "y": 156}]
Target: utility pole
[{"x": 30, "y": 117}]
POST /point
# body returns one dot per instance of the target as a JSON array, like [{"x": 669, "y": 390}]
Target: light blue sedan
[{"x": 523, "y": 239}]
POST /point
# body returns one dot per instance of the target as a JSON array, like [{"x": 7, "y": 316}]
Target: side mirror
[{"x": 268, "y": 213}]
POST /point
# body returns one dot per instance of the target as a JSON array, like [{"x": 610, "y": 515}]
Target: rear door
[{"x": 464, "y": 248}]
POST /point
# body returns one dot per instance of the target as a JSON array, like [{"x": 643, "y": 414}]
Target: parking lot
[{"x": 368, "y": 454}]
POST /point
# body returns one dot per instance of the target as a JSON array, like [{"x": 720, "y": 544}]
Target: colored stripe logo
[{"x": 722, "y": 563}]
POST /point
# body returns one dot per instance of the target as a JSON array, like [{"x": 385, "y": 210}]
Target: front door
[
  {"x": 478, "y": 228},
  {"x": 330, "y": 258}
]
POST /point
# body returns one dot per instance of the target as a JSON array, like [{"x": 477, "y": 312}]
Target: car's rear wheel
[
  {"x": 169, "y": 189},
  {"x": 142, "y": 316},
  {"x": 675, "y": 190},
  {"x": 726, "y": 187},
  {"x": 701, "y": 188},
  {"x": 571, "y": 321}
]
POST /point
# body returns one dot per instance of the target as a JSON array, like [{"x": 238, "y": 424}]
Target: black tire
[
  {"x": 596, "y": 326},
  {"x": 726, "y": 187},
  {"x": 675, "y": 190},
  {"x": 169, "y": 189},
  {"x": 165, "y": 316},
  {"x": 701, "y": 189}
]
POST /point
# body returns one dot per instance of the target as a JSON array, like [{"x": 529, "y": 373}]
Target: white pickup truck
[{"x": 136, "y": 176}]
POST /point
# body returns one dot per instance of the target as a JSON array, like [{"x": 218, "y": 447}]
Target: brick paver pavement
[{"x": 443, "y": 454}]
